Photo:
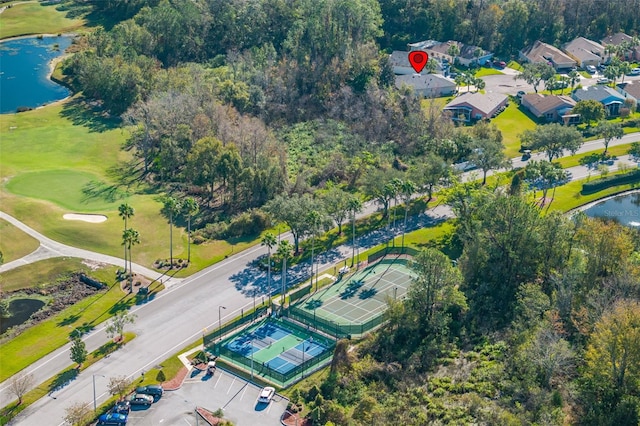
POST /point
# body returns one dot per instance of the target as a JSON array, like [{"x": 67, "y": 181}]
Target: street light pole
[
  {"x": 95, "y": 408},
  {"x": 220, "y": 321},
  {"x": 251, "y": 359}
]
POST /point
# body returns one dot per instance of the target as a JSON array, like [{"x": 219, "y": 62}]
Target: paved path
[{"x": 180, "y": 314}]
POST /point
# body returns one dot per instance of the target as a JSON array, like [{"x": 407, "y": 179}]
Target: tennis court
[
  {"x": 360, "y": 298},
  {"x": 278, "y": 346}
]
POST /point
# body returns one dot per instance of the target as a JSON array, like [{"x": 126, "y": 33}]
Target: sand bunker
[{"x": 91, "y": 218}]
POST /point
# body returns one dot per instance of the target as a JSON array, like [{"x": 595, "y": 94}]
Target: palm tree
[
  {"x": 171, "y": 207},
  {"x": 269, "y": 240},
  {"x": 313, "y": 217},
  {"x": 130, "y": 237},
  {"x": 355, "y": 206},
  {"x": 574, "y": 77},
  {"x": 191, "y": 208},
  {"x": 480, "y": 84},
  {"x": 284, "y": 252},
  {"x": 125, "y": 211},
  {"x": 407, "y": 189},
  {"x": 625, "y": 68},
  {"x": 395, "y": 183}
]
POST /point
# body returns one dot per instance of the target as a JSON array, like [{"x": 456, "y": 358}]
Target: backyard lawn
[
  {"x": 512, "y": 122},
  {"x": 483, "y": 72},
  {"x": 36, "y": 18}
]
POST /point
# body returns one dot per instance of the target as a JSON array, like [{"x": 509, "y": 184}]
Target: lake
[
  {"x": 24, "y": 71},
  {"x": 623, "y": 208},
  {"x": 21, "y": 310}
]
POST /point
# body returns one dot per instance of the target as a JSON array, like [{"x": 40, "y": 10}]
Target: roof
[
  {"x": 421, "y": 45},
  {"x": 616, "y": 39},
  {"x": 597, "y": 93},
  {"x": 584, "y": 49},
  {"x": 444, "y": 47},
  {"x": 485, "y": 103},
  {"x": 400, "y": 58},
  {"x": 426, "y": 81},
  {"x": 631, "y": 87},
  {"x": 468, "y": 52},
  {"x": 543, "y": 52},
  {"x": 544, "y": 104}
]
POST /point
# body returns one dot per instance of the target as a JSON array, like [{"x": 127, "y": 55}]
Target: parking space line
[
  {"x": 217, "y": 381},
  {"x": 232, "y": 383},
  {"x": 243, "y": 392}
]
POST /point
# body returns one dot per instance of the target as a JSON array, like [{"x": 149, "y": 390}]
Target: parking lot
[{"x": 237, "y": 398}]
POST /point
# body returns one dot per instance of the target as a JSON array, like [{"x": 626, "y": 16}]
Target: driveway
[{"x": 237, "y": 398}]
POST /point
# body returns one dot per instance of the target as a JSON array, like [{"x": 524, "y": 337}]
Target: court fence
[
  {"x": 240, "y": 322},
  {"x": 299, "y": 293},
  {"x": 338, "y": 331},
  {"x": 391, "y": 250},
  {"x": 221, "y": 349}
]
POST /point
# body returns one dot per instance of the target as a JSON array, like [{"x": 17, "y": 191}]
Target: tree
[
  {"x": 453, "y": 51},
  {"x": 609, "y": 131},
  {"x": 284, "y": 254},
  {"x": 546, "y": 174},
  {"x": 612, "y": 72},
  {"x": 269, "y": 240},
  {"x": 292, "y": 210},
  {"x": 315, "y": 221},
  {"x": 335, "y": 204},
  {"x": 78, "y": 351},
  {"x": 429, "y": 172},
  {"x": 488, "y": 154},
  {"x": 355, "y": 206},
  {"x": 407, "y": 189},
  {"x": 119, "y": 385},
  {"x": 589, "y": 110},
  {"x": 171, "y": 207},
  {"x": 78, "y": 413},
  {"x": 191, "y": 208},
  {"x": 624, "y": 68},
  {"x": 574, "y": 77},
  {"x": 116, "y": 325},
  {"x": 536, "y": 73},
  {"x": 634, "y": 151},
  {"x": 130, "y": 237},
  {"x": 479, "y": 83},
  {"x": 552, "y": 138},
  {"x": 125, "y": 211},
  {"x": 20, "y": 384}
]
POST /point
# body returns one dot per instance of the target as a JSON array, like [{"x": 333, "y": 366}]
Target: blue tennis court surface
[{"x": 311, "y": 348}]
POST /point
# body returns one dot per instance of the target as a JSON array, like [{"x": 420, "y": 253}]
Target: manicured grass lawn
[
  {"x": 14, "y": 243},
  {"x": 483, "y": 72},
  {"x": 574, "y": 160},
  {"x": 512, "y": 122},
  {"x": 35, "y": 18},
  {"x": 514, "y": 65},
  {"x": 43, "y": 338},
  {"x": 42, "y": 272}
]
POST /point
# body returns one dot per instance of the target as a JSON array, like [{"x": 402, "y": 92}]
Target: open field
[
  {"x": 14, "y": 243},
  {"x": 512, "y": 122},
  {"x": 36, "y": 18}
]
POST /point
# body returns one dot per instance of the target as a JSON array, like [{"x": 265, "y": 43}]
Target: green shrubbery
[{"x": 621, "y": 179}]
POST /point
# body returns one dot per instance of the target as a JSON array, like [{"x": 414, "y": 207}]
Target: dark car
[
  {"x": 155, "y": 391},
  {"x": 122, "y": 407},
  {"x": 141, "y": 399},
  {"x": 112, "y": 419},
  {"x": 499, "y": 64}
]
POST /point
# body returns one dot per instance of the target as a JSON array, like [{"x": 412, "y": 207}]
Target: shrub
[
  {"x": 160, "y": 377},
  {"x": 621, "y": 179}
]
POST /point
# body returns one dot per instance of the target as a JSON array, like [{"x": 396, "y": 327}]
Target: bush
[
  {"x": 247, "y": 224},
  {"x": 160, "y": 377},
  {"x": 621, "y": 179}
]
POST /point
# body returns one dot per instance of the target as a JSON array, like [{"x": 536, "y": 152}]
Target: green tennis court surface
[{"x": 360, "y": 298}]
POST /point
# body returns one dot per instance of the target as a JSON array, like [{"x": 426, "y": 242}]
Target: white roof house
[{"x": 427, "y": 85}]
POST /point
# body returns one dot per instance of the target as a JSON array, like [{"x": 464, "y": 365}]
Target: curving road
[{"x": 180, "y": 314}]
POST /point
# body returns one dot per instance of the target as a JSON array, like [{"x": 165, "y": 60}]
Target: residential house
[
  {"x": 428, "y": 85},
  {"x": 401, "y": 66},
  {"x": 551, "y": 108},
  {"x": 440, "y": 51},
  {"x": 617, "y": 39},
  {"x": 611, "y": 99},
  {"x": 541, "y": 52},
  {"x": 586, "y": 52},
  {"x": 466, "y": 56},
  {"x": 630, "y": 90},
  {"x": 476, "y": 106}
]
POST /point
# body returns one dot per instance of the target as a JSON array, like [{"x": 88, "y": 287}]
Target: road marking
[
  {"x": 217, "y": 381},
  {"x": 232, "y": 383},
  {"x": 186, "y": 421},
  {"x": 243, "y": 392}
]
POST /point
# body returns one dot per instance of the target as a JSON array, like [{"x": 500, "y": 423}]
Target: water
[
  {"x": 24, "y": 70},
  {"x": 21, "y": 310},
  {"x": 624, "y": 208}
]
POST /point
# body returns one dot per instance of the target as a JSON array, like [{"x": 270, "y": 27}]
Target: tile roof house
[
  {"x": 550, "y": 108},
  {"x": 619, "y": 38},
  {"x": 541, "y": 52},
  {"x": 428, "y": 85},
  {"x": 476, "y": 106},
  {"x": 630, "y": 90},
  {"x": 466, "y": 57},
  {"x": 611, "y": 99},
  {"x": 585, "y": 51}
]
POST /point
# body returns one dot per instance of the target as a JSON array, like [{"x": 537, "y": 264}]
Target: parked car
[
  {"x": 499, "y": 64},
  {"x": 121, "y": 407},
  {"x": 141, "y": 399},
  {"x": 635, "y": 71},
  {"x": 155, "y": 391},
  {"x": 520, "y": 94},
  {"x": 591, "y": 69},
  {"x": 112, "y": 419},
  {"x": 266, "y": 395},
  {"x": 603, "y": 80}
]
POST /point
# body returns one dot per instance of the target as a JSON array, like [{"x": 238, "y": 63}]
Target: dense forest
[{"x": 285, "y": 107}]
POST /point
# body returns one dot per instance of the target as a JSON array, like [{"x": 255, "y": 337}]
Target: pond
[
  {"x": 21, "y": 310},
  {"x": 25, "y": 69},
  {"x": 624, "y": 208}
]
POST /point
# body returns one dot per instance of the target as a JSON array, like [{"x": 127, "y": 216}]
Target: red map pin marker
[{"x": 418, "y": 59}]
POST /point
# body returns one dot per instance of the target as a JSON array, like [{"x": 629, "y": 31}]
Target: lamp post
[
  {"x": 95, "y": 408},
  {"x": 251, "y": 359},
  {"x": 220, "y": 321}
]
